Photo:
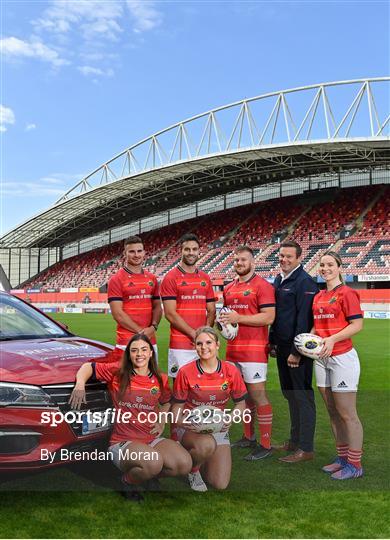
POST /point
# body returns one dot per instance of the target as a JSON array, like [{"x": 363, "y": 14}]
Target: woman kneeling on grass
[
  {"x": 138, "y": 388},
  {"x": 208, "y": 381},
  {"x": 337, "y": 317}
]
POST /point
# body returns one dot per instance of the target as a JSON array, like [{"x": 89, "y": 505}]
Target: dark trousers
[{"x": 296, "y": 385}]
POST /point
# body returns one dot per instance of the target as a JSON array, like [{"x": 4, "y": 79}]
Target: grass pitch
[{"x": 265, "y": 499}]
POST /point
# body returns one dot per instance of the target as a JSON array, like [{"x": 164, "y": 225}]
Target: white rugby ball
[
  {"x": 309, "y": 345},
  {"x": 228, "y": 331},
  {"x": 206, "y": 419}
]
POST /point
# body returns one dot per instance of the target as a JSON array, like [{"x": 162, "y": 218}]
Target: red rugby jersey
[
  {"x": 192, "y": 291},
  {"x": 194, "y": 387},
  {"x": 137, "y": 292},
  {"x": 247, "y": 298},
  {"x": 332, "y": 311},
  {"x": 142, "y": 397}
]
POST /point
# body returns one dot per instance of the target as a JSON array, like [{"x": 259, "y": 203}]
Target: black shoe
[
  {"x": 259, "y": 452},
  {"x": 131, "y": 492},
  {"x": 153, "y": 485},
  {"x": 244, "y": 443},
  {"x": 133, "y": 495}
]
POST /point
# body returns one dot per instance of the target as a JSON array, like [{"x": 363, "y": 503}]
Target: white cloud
[
  {"x": 96, "y": 72},
  {"x": 55, "y": 184},
  {"x": 29, "y": 189},
  {"x": 7, "y": 116},
  {"x": 13, "y": 47},
  {"x": 93, "y": 18},
  {"x": 30, "y": 127},
  {"x": 145, "y": 15}
]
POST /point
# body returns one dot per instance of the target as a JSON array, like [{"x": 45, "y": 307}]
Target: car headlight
[{"x": 24, "y": 395}]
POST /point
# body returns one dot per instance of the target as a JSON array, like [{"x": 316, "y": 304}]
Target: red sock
[
  {"x": 129, "y": 479},
  {"x": 195, "y": 469},
  {"x": 354, "y": 457},
  {"x": 342, "y": 450},
  {"x": 264, "y": 418},
  {"x": 249, "y": 427}
]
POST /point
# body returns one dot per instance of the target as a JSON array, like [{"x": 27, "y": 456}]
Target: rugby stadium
[{"x": 310, "y": 164}]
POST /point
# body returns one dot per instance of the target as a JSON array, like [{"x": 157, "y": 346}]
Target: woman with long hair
[
  {"x": 338, "y": 317},
  {"x": 208, "y": 381},
  {"x": 138, "y": 388}
]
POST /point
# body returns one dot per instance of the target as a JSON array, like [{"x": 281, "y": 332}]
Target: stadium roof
[{"x": 280, "y": 136}]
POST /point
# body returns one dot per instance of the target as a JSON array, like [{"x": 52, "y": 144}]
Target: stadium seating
[{"x": 353, "y": 221}]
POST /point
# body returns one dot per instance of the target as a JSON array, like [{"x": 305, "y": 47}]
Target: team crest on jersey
[
  {"x": 247, "y": 292},
  {"x": 184, "y": 283},
  {"x": 139, "y": 399},
  {"x": 195, "y": 291},
  {"x": 143, "y": 291},
  {"x": 333, "y": 300},
  {"x": 154, "y": 390},
  {"x": 212, "y": 398},
  {"x": 225, "y": 385},
  {"x": 203, "y": 283},
  {"x": 321, "y": 310},
  {"x": 150, "y": 283}
]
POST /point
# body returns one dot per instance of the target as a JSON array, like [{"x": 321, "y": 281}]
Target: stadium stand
[{"x": 355, "y": 222}]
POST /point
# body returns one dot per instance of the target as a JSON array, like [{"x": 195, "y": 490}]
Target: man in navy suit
[{"x": 295, "y": 290}]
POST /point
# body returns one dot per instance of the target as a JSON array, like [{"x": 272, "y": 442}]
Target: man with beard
[
  {"x": 189, "y": 302},
  {"x": 134, "y": 298},
  {"x": 252, "y": 301}
]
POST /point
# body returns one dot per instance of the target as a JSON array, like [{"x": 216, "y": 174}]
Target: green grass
[{"x": 265, "y": 499}]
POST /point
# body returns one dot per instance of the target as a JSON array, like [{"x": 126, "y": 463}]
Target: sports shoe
[
  {"x": 337, "y": 464},
  {"x": 259, "y": 452},
  {"x": 347, "y": 472},
  {"x": 244, "y": 443},
  {"x": 196, "y": 481}
]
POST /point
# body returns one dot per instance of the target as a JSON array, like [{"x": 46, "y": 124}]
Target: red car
[{"x": 39, "y": 359}]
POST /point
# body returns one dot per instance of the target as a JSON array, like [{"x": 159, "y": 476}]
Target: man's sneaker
[
  {"x": 244, "y": 443},
  {"x": 347, "y": 472},
  {"x": 259, "y": 452},
  {"x": 338, "y": 463},
  {"x": 196, "y": 481}
]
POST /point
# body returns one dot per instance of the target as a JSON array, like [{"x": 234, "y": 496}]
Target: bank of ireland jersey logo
[
  {"x": 225, "y": 385},
  {"x": 154, "y": 390}
]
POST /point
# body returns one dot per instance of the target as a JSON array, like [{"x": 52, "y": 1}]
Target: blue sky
[{"x": 81, "y": 81}]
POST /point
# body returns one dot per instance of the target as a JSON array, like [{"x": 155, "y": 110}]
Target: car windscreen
[{"x": 20, "y": 321}]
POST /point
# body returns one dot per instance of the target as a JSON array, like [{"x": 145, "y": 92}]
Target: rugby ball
[
  {"x": 206, "y": 419},
  {"x": 228, "y": 331},
  {"x": 309, "y": 345}
]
